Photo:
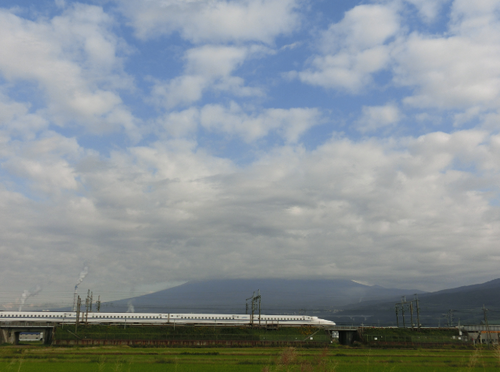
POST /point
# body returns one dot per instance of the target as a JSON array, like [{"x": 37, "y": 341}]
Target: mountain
[
  {"x": 323, "y": 297},
  {"x": 446, "y": 307}
]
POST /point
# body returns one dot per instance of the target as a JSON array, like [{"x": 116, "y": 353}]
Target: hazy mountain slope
[
  {"x": 462, "y": 304},
  {"x": 278, "y": 295}
]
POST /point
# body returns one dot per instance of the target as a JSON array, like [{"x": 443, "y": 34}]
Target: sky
[{"x": 156, "y": 142}]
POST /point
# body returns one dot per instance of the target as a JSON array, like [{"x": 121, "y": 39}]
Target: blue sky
[{"x": 163, "y": 141}]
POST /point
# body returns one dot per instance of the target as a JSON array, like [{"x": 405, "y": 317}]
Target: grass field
[
  {"x": 336, "y": 358},
  {"x": 115, "y": 332}
]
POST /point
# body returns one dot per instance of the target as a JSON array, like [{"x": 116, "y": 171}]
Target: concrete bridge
[
  {"x": 347, "y": 334},
  {"x": 10, "y": 331}
]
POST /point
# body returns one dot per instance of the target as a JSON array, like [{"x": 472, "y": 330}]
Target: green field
[
  {"x": 334, "y": 358},
  {"x": 159, "y": 333}
]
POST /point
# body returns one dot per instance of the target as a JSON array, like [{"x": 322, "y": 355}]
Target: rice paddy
[{"x": 39, "y": 358}]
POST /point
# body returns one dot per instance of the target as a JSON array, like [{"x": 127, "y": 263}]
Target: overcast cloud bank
[{"x": 171, "y": 140}]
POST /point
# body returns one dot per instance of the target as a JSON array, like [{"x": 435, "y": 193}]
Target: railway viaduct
[{"x": 10, "y": 331}]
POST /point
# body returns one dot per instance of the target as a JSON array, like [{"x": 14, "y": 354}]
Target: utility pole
[
  {"x": 254, "y": 303},
  {"x": 91, "y": 296},
  {"x": 485, "y": 310},
  {"x": 411, "y": 314},
  {"x": 78, "y": 304},
  {"x": 408, "y": 305},
  {"x": 249, "y": 303},
  {"x": 87, "y": 305},
  {"x": 403, "y": 301},
  {"x": 418, "y": 311},
  {"x": 98, "y": 304}
]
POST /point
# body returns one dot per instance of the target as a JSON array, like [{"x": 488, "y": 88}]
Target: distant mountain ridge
[
  {"x": 278, "y": 296},
  {"x": 446, "y": 307}
]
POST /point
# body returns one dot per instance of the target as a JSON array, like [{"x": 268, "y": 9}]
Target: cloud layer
[{"x": 170, "y": 140}]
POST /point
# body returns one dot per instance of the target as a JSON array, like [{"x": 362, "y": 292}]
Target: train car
[{"x": 164, "y": 318}]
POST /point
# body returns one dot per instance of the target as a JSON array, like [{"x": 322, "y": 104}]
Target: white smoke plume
[
  {"x": 27, "y": 294},
  {"x": 131, "y": 308},
  {"x": 83, "y": 274}
]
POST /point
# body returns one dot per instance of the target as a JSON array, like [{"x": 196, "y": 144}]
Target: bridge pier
[
  {"x": 9, "y": 336},
  {"x": 47, "y": 336}
]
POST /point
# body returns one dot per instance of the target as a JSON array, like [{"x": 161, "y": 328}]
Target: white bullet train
[{"x": 164, "y": 318}]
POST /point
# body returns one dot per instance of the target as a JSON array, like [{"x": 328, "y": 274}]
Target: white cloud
[
  {"x": 182, "y": 123},
  {"x": 167, "y": 210},
  {"x": 449, "y": 73},
  {"x": 214, "y": 61},
  {"x": 214, "y": 20},
  {"x": 17, "y": 121},
  {"x": 46, "y": 163},
  {"x": 458, "y": 71},
  {"x": 290, "y": 124},
  {"x": 428, "y": 9},
  {"x": 377, "y": 117},
  {"x": 73, "y": 59},
  {"x": 233, "y": 120},
  {"x": 354, "y": 49},
  {"x": 192, "y": 215},
  {"x": 207, "y": 67}
]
